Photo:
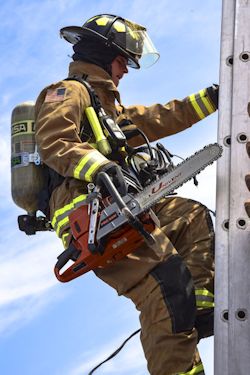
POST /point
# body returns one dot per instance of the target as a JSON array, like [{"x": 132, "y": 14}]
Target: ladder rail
[
  {"x": 222, "y": 193},
  {"x": 232, "y": 259},
  {"x": 239, "y": 229}
]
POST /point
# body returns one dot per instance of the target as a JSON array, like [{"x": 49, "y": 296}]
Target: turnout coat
[{"x": 60, "y": 118}]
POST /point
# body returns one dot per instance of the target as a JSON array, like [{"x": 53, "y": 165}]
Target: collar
[{"x": 96, "y": 76}]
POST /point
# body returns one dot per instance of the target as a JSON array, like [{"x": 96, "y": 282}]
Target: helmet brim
[{"x": 72, "y": 34}]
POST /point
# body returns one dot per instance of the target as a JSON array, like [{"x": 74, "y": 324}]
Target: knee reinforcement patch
[{"x": 177, "y": 289}]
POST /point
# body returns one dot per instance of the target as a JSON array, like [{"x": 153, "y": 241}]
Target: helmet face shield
[
  {"x": 138, "y": 43},
  {"x": 134, "y": 39},
  {"x": 129, "y": 38}
]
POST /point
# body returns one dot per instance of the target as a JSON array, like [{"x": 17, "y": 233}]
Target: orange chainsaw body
[{"x": 117, "y": 245}]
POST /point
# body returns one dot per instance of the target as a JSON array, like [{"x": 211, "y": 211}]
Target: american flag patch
[{"x": 55, "y": 95}]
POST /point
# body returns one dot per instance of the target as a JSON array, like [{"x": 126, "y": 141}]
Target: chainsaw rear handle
[{"x": 71, "y": 253}]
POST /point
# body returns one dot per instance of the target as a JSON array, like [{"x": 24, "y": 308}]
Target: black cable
[
  {"x": 114, "y": 353},
  {"x": 212, "y": 212},
  {"x": 149, "y": 147}
]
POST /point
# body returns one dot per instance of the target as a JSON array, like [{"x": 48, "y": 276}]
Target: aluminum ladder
[{"x": 232, "y": 246}]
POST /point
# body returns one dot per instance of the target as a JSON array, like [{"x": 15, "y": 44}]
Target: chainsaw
[{"x": 106, "y": 230}]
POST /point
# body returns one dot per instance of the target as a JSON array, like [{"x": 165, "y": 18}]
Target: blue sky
[{"x": 52, "y": 328}]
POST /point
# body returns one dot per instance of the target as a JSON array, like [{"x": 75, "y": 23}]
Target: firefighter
[{"x": 170, "y": 282}]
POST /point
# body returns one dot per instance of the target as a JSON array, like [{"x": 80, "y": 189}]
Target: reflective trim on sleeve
[
  {"x": 201, "y": 104},
  {"x": 61, "y": 224},
  {"x": 64, "y": 239},
  {"x": 196, "y": 370},
  {"x": 91, "y": 170},
  {"x": 61, "y": 216},
  {"x": 193, "y": 101},
  {"x": 207, "y": 102},
  {"x": 88, "y": 165},
  {"x": 204, "y": 298}
]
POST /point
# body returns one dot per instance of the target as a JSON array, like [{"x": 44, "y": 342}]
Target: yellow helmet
[{"x": 129, "y": 38}]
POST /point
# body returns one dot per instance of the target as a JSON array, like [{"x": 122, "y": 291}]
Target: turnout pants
[{"x": 171, "y": 284}]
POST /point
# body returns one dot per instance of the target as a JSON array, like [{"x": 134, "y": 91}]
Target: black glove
[
  {"x": 213, "y": 93},
  {"x": 115, "y": 172}
]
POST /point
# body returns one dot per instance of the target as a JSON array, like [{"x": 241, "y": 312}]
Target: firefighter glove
[
  {"x": 115, "y": 172},
  {"x": 213, "y": 93}
]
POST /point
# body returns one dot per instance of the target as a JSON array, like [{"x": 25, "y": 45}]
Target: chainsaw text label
[
  {"x": 163, "y": 185},
  {"x": 108, "y": 219}
]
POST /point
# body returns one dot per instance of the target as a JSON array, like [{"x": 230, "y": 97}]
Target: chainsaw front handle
[{"x": 104, "y": 179}]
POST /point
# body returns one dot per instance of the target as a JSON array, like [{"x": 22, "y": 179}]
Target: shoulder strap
[
  {"x": 116, "y": 136},
  {"x": 52, "y": 179},
  {"x": 86, "y": 131},
  {"x": 95, "y": 101}
]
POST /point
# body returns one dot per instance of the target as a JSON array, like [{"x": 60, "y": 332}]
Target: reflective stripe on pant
[
  {"x": 196, "y": 370},
  {"x": 204, "y": 298},
  {"x": 187, "y": 224}
]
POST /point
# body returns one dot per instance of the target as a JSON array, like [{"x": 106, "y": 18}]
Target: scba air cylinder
[{"x": 26, "y": 170}]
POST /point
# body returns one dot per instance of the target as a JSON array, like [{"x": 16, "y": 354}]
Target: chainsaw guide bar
[{"x": 112, "y": 217}]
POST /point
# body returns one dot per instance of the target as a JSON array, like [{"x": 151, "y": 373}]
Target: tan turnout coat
[{"x": 60, "y": 111}]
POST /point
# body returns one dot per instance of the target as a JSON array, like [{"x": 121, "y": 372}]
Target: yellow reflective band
[
  {"x": 204, "y": 292},
  {"x": 61, "y": 217},
  {"x": 196, "y": 106},
  {"x": 204, "y": 304},
  {"x": 61, "y": 223},
  {"x": 206, "y": 101},
  {"x": 60, "y": 212},
  {"x": 89, "y": 162},
  {"x": 91, "y": 170},
  {"x": 204, "y": 298},
  {"x": 64, "y": 239},
  {"x": 197, "y": 370},
  {"x": 102, "y": 21},
  {"x": 81, "y": 164},
  {"x": 67, "y": 207}
]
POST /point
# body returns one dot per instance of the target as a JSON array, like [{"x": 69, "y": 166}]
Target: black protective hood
[{"x": 96, "y": 52}]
